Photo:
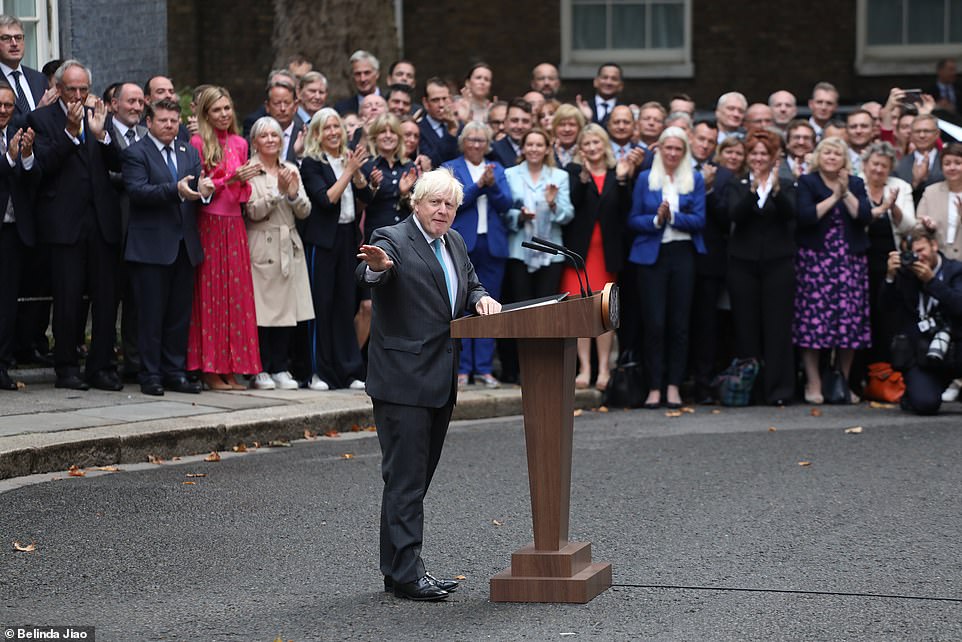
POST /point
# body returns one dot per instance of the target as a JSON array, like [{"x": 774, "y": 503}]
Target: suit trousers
[
  {"x": 763, "y": 306},
  {"x": 89, "y": 265},
  {"x": 665, "y": 290},
  {"x": 336, "y": 357},
  {"x": 165, "y": 297},
  {"x": 411, "y": 439},
  {"x": 33, "y": 317},
  {"x": 923, "y": 390},
  {"x": 11, "y": 255},
  {"x": 705, "y": 330},
  {"x": 275, "y": 343},
  {"x": 477, "y": 354}
]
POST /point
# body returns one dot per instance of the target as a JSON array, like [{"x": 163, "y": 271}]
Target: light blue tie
[
  {"x": 170, "y": 163},
  {"x": 436, "y": 244}
]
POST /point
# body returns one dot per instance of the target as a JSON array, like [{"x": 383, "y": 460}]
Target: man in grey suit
[
  {"x": 922, "y": 167},
  {"x": 421, "y": 279}
]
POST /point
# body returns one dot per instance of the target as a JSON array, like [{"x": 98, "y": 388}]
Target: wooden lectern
[{"x": 552, "y": 569}]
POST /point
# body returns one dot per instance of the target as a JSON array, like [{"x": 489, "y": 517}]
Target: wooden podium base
[{"x": 566, "y": 575}]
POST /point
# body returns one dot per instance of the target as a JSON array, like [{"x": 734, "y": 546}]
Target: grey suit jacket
[
  {"x": 412, "y": 359},
  {"x": 903, "y": 170}
]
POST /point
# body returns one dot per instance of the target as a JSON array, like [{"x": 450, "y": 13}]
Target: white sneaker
[
  {"x": 284, "y": 381},
  {"x": 357, "y": 384},
  {"x": 952, "y": 392},
  {"x": 318, "y": 384},
  {"x": 263, "y": 381}
]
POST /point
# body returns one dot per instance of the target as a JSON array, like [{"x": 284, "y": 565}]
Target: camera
[
  {"x": 906, "y": 256},
  {"x": 938, "y": 346}
]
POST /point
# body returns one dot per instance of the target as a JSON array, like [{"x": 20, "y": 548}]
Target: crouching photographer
[{"x": 923, "y": 289}]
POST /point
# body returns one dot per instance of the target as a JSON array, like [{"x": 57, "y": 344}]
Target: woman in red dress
[
  {"x": 601, "y": 197},
  {"x": 223, "y": 324}
]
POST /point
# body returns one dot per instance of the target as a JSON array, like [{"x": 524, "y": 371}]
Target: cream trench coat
[{"x": 282, "y": 292}]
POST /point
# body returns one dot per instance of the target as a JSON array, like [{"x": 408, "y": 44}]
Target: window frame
[
  {"x": 886, "y": 60},
  {"x": 635, "y": 63},
  {"x": 46, "y": 17}
]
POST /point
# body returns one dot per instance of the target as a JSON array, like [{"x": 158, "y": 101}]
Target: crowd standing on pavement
[{"x": 227, "y": 246}]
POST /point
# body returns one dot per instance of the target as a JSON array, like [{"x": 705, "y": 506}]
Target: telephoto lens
[{"x": 938, "y": 346}]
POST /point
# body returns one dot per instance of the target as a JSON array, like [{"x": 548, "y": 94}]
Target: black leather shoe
[
  {"x": 445, "y": 585},
  {"x": 6, "y": 382},
  {"x": 152, "y": 388},
  {"x": 182, "y": 384},
  {"x": 423, "y": 590},
  {"x": 34, "y": 357},
  {"x": 106, "y": 380},
  {"x": 672, "y": 405},
  {"x": 72, "y": 382}
]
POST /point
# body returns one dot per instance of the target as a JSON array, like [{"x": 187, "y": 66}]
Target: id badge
[{"x": 925, "y": 325}]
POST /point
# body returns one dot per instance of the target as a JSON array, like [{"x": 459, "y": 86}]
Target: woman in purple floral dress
[{"x": 831, "y": 297}]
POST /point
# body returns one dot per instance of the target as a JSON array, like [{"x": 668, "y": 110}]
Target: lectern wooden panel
[{"x": 551, "y": 569}]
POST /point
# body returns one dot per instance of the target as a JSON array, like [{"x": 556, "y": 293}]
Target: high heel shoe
[
  {"x": 601, "y": 383},
  {"x": 582, "y": 381},
  {"x": 213, "y": 381},
  {"x": 814, "y": 398}
]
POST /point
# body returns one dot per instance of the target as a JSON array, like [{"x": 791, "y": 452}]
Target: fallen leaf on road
[
  {"x": 855, "y": 430},
  {"x": 21, "y": 385},
  {"x": 107, "y": 469},
  {"x": 347, "y": 456},
  {"x": 240, "y": 448},
  {"x": 196, "y": 474},
  {"x": 578, "y": 412},
  {"x": 278, "y": 443},
  {"x": 804, "y": 463},
  {"x": 173, "y": 459},
  {"x": 715, "y": 411},
  {"x": 24, "y": 548},
  {"x": 256, "y": 445},
  {"x": 73, "y": 471},
  {"x": 356, "y": 428},
  {"x": 603, "y": 409},
  {"x": 371, "y": 429},
  {"x": 189, "y": 483},
  {"x": 688, "y": 409},
  {"x": 332, "y": 433},
  {"x": 816, "y": 412},
  {"x": 772, "y": 429},
  {"x": 214, "y": 456},
  {"x": 460, "y": 578},
  {"x": 153, "y": 459},
  {"x": 878, "y": 404},
  {"x": 673, "y": 413},
  {"x": 496, "y": 522},
  {"x": 309, "y": 435}
]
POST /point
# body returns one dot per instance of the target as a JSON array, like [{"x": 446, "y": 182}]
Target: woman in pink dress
[{"x": 223, "y": 324}]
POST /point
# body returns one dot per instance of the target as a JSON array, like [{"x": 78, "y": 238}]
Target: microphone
[
  {"x": 538, "y": 247},
  {"x": 574, "y": 256}
]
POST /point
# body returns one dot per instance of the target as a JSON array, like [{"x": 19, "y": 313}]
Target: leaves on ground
[
  {"x": 278, "y": 443},
  {"x": 497, "y": 523},
  {"x": 716, "y": 411},
  {"x": 192, "y": 475},
  {"x": 24, "y": 548},
  {"x": 879, "y": 404},
  {"x": 772, "y": 429},
  {"x": 332, "y": 433},
  {"x": 460, "y": 578},
  {"x": 108, "y": 469},
  {"x": 240, "y": 448},
  {"x": 154, "y": 459},
  {"x": 74, "y": 471},
  {"x": 578, "y": 412},
  {"x": 189, "y": 483},
  {"x": 347, "y": 456},
  {"x": 673, "y": 413},
  {"x": 854, "y": 430},
  {"x": 212, "y": 457},
  {"x": 815, "y": 412},
  {"x": 804, "y": 463},
  {"x": 309, "y": 435}
]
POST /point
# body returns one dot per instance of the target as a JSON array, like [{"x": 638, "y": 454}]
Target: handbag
[
  {"x": 835, "y": 385},
  {"x": 733, "y": 385},
  {"x": 883, "y": 383},
  {"x": 626, "y": 386}
]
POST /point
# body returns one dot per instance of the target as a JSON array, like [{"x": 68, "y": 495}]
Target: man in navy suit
[
  {"x": 517, "y": 123},
  {"x": 164, "y": 182},
  {"x": 608, "y": 84},
  {"x": 421, "y": 279},
  {"x": 16, "y": 229},
  {"x": 78, "y": 217},
  {"x": 440, "y": 127},
  {"x": 29, "y": 84},
  {"x": 281, "y": 105},
  {"x": 160, "y": 88},
  {"x": 365, "y": 70}
]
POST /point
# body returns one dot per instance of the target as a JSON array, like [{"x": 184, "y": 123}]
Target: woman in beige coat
[{"x": 282, "y": 292}]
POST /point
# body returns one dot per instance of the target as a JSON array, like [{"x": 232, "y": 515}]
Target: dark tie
[
  {"x": 170, "y": 163},
  {"x": 130, "y": 136},
  {"x": 436, "y": 244},
  {"x": 21, "y": 101},
  {"x": 604, "y": 112}
]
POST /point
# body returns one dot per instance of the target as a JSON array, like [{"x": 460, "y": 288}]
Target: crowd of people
[{"x": 229, "y": 244}]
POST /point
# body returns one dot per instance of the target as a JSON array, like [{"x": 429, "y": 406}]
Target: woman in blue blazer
[
  {"x": 479, "y": 220},
  {"x": 667, "y": 215}
]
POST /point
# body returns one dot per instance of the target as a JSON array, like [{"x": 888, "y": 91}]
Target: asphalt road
[{"x": 714, "y": 529}]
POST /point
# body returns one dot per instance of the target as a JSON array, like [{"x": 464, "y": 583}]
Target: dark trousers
[
  {"x": 11, "y": 257},
  {"x": 478, "y": 354},
  {"x": 411, "y": 439},
  {"x": 334, "y": 351},
  {"x": 128, "y": 319},
  {"x": 521, "y": 285},
  {"x": 165, "y": 297},
  {"x": 275, "y": 343},
  {"x": 763, "y": 300},
  {"x": 665, "y": 290},
  {"x": 33, "y": 317},
  {"x": 923, "y": 390},
  {"x": 89, "y": 265},
  {"x": 705, "y": 330}
]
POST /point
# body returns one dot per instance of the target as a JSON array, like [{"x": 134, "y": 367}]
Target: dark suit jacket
[
  {"x": 499, "y": 201},
  {"x": 811, "y": 229},
  {"x": 440, "y": 149},
  {"x": 412, "y": 359},
  {"x": 594, "y": 110},
  {"x": 159, "y": 220},
  {"x": 714, "y": 262},
  {"x": 321, "y": 224},
  {"x": 933, "y": 90},
  {"x": 901, "y": 298},
  {"x": 251, "y": 118},
  {"x": 291, "y": 156},
  {"x": 610, "y": 208},
  {"x": 503, "y": 153},
  {"x": 17, "y": 184},
  {"x": 903, "y": 170},
  {"x": 350, "y": 105},
  {"x": 761, "y": 234},
  {"x": 71, "y": 177},
  {"x": 38, "y": 87}
]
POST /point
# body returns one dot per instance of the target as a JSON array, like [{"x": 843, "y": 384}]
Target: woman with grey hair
[
  {"x": 667, "y": 215},
  {"x": 481, "y": 222},
  {"x": 893, "y": 216},
  {"x": 282, "y": 292}
]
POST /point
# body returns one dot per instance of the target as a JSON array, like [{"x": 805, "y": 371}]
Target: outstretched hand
[{"x": 376, "y": 258}]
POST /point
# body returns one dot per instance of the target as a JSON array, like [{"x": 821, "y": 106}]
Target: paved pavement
[{"x": 44, "y": 429}]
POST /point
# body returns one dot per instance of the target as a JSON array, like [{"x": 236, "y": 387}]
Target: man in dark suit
[
  {"x": 78, "y": 216},
  {"x": 922, "y": 167},
  {"x": 29, "y": 85},
  {"x": 281, "y": 105},
  {"x": 161, "y": 88},
  {"x": 946, "y": 89},
  {"x": 518, "y": 122},
  {"x": 421, "y": 278},
  {"x": 439, "y": 127},
  {"x": 16, "y": 228},
  {"x": 608, "y": 85},
  {"x": 164, "y": 182},
  {"x": 365, "y": 70}
]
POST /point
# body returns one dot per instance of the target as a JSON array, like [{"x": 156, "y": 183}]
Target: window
[
  {"x": 39, "y": 18},
  {"x": 906, "y": 36},
  {"x": 648, "y": 38}
]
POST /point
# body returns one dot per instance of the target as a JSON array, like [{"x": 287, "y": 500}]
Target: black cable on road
[{"x": 731, "y": 589}]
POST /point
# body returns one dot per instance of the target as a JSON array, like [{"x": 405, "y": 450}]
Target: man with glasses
[
  {"x": 78, "y": 218},
  {"x": 29, "y": 85},
  {"x": 924, "y": 166}
]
